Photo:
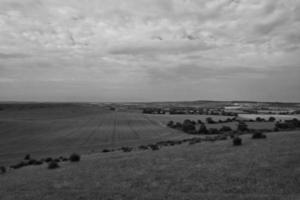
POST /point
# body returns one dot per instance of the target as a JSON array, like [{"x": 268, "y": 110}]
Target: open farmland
[
  {"x": 86, "y": 128},
  {"x": 79, "y": 128}
]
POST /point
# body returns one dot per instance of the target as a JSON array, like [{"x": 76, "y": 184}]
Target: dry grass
[{"x": 260, "y": 169}]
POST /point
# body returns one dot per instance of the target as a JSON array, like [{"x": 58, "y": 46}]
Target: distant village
[{"x": 229, "y": 110}]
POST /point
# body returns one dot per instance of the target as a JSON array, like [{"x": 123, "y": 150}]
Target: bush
[
  {"x": 2, "y": 170},
  {"x": 53, "y": 165},
  {"x": 105, "y": 150},
  {"x": 32, "y": 162},
  {"x": 154, "y": 147},
  {"x": 38, "y": 162},
  {"x": 178, "y": 125},
  {"x": 126, "y": 149},
  {"x": 49, "y": 159},
  {"x": 170, "y": 124},
  {"x": 237, "y": 141},
  {"x": 203, "y": 129},
  {"x": 272, "y": 119},
  {"x": 19, "y": 165},
  {"x": 258, "y": 135},
  {"x": 259, "y": 119},
  {"x": 74, "y": 157},
  {"x": 143, "y": 147},
  {"x": 27, "y": 157}
]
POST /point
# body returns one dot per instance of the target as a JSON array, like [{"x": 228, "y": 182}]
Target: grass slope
[{"x": 259, "y": 169}]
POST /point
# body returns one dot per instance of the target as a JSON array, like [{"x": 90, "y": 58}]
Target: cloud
[
  {"x": 136, "y": 43},
  {"x": 272, "y": 23},
  {"x": 158, "y": 48},
  {"x": 13, "y": 55}
]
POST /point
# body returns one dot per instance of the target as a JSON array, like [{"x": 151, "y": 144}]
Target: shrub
[
  {"x": 105, "y": 150},
  {"x": 32, "y": 162},
  {"x": 272, "y": 119},
  {"x": 143, "y": 147},
  {"x": 203, "y": 129},
  {"x": 19, "y": 165},
  {"x": 178, "y": 125},
  {"x": 53, "y": 165},
  {"x": 259, "y": 119},
  {"x": 154, "y": 147},
  {"x": 38, "y": 162},
  {"x": 258, "y": 135},
  {"x": 126, "y": 149},
  {"x": 2, "y": 170},
  {"x": 237, "y": 141},
  {"x": 74, "y": 157},
  {"x": 170, "y": 124},
  {"x": 27, "y": 157},
  {"x": 49, "y": 159},
  {"x": 288, "y": 124}
]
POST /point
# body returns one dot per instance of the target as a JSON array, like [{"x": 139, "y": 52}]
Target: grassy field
[
  {"x": 61, "y": 130},
  {"x": 259, "y": 169}
]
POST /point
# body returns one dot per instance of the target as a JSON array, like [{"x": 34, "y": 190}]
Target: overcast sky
[{"x": 149, "y": 50}]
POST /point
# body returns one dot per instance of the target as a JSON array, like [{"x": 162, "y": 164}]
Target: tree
[
  {"x": 188, "y": 126},
  {"x": 203, "y": 129},
  {"x": 258, "y": 119},
  {"x": 272, "y": 119},
  {"x": 209, "y": 120}
]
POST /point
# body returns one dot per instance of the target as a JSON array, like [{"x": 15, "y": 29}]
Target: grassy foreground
[{"x": 259, "y": 169}]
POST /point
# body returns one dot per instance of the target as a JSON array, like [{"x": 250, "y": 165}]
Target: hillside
[{"x": 259, "y": 169}]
